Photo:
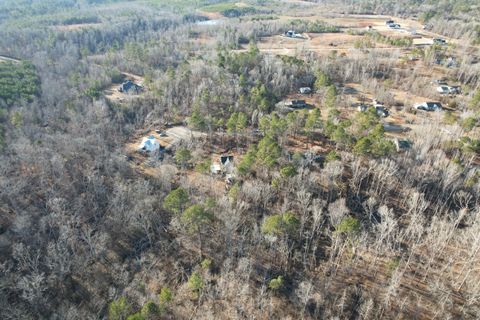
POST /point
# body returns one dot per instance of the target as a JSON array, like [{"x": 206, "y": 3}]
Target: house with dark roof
[
  {"x": 429, "y": 106},
  {"x": 130, "y": 87}
]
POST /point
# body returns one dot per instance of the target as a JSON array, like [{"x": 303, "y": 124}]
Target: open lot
[
  {"x": 73, "y": 27},
  {"x": 8, "y": 59}
]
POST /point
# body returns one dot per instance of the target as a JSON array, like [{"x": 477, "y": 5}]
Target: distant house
[
  {"x": 296, "y": 104},
  {"x": 427, "y": 27},
  {"x": 130, "y": 87},
  {"x": 362, "y": 108},
  {"x": 439, "y": 41},
  {"x": 305, "y": 90},
  {"x": 225, "y": 160},
  {"x": 442, "y": 81},
  {"x": 402, "y": 145},
  {"x": 149, "y": 144},
  {"x": 429, "y": 106},
  {"x": 443, "y": 89},
  {"x": 448, "y": 90},
  {"x": 394, "y": 26},
  {"x": 381, "y": 111},
  {"x": 451, "y": 62},
  {"x": 223, "y": 165},
  {"x": 292, "y": 34}
]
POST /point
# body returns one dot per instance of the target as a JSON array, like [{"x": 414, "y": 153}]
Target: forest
[{"x": 263, "y": 159}]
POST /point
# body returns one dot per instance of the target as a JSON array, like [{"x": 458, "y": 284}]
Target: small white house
[
  {"x": 149, "y": 144},
  {"x": 448, "y": 90},
  {"x": 305, "y": 90},
  {"x": 223, "y": 165},
  {"x": 429, "y": 106}
]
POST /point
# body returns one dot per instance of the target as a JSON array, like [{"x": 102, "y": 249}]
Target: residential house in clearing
[
  {"x": 223, "y": 164},
  {"x": 305, "y": 90},
  {"x": 149, "y": 144},
  {"x": 429, "y": 106},
  {"x": 130, "y": 87}
]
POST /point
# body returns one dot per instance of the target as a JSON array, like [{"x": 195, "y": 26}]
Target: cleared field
[
  {"x": 313, "y": 42},
  {"x": 73, "y": 27},
  {"x": 8, "y": 59}
]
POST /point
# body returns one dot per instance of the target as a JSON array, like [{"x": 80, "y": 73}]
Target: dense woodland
[{"x": 358, "y": 232}]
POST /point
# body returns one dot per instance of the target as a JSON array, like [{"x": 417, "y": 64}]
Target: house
[
  {"x": 442, "y": 81},
  {"x": 305, "y": 90},
  {"x": 293, "y": 34},
  {"x": 448, "y": 89},
  {"x": 429, "y": 106},
  {"x": 455, "y": 90},
  {"x": 381, "y": 111},
  {"x": 451, "y": 62},
  {"x": 439, "y": 41},
  {"x": 296, "y": 104},
  {"x": 443, "y": 89},
  {"x": 362, "y": 108},
  {"x": 130, "y": 87},
  {"x": 394, "y": 26},
  {"x": 149, "y": 144},
  {"x": 427, "y": 27},
  {"x": 225, "y": 160},
  {"x": 224, "y": 164},
  {"x": 402, "y": 145}
]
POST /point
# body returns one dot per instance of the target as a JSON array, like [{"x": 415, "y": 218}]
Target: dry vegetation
[{"x": 322, "y": 214}]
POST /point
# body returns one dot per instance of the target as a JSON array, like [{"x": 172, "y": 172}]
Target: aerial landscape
[{"x": 256, "y": 159}]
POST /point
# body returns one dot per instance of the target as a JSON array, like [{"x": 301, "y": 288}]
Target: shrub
[
  {"x": 276, "y": 283},
  {"x": 176, "y": 201},
  {"x": 288, "y": 171},
  {"x": 195, "y": 282},
  {"x": 469, "y": 123},
  {"x": 349, "y": 226},
  {"x": 280, "y": 224},
  {"x": 119, "y": 309},
  {"x": 150, "y": 311}
]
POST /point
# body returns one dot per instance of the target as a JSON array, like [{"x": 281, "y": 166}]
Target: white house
[
  {"x": 223, "y": 165},
  {"x": 429, "y": 106},
  {"x": 305, "y": 90},
  {"x": 149, "y": 144},
  {"x": 448, "y": 90}
]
